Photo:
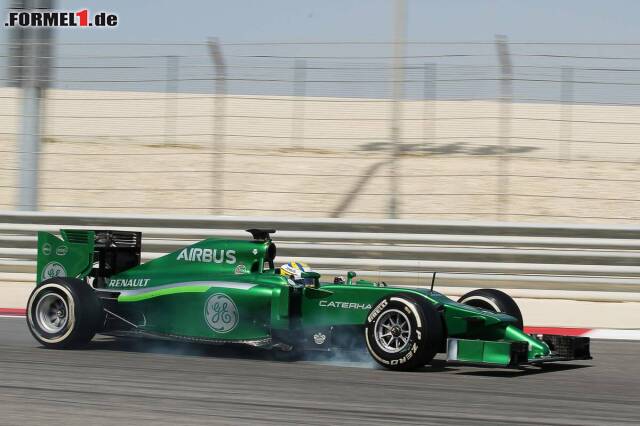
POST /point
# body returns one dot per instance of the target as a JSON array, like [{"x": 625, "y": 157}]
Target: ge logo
[
  {"x": 220, "y": 313},
  {"x": 53, "y": 270}
]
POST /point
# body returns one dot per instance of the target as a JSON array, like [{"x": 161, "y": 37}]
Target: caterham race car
[{"x": 231, "y": 292}]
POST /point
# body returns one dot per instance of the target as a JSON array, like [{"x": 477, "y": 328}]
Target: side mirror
[
  {"x": 314, "y": 276},
  {"x": 350, "y": 276}
]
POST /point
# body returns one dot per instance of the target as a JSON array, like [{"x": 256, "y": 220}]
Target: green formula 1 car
[{"x": 230, "y": 292}]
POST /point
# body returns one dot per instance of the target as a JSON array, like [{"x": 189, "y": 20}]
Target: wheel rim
[
  {"x": 393, "y": 331},
  {"x": 52, "y": 313}
]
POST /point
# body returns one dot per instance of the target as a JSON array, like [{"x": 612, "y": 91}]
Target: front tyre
[
  {"x": 403, "y": 332},
  {"x": 493, "y": 300},
  {"x": 63, "y": 313}
]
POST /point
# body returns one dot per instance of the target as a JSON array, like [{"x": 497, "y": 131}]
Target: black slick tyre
[
  {"x": 63, "y": 313},
  {"x": 403, "y": 332},
  {"x": 493, "y": 300}
]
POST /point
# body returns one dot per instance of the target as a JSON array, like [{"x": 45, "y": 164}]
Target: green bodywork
[
  {"x": 224, "y": 290},
  {"x": 70, "y": 256}
]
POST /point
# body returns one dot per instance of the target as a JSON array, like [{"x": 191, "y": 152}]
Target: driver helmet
[{"x": 293, "y": 271}]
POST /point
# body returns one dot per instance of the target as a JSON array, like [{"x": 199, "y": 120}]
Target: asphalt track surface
[{"x": 131, "y": 382}]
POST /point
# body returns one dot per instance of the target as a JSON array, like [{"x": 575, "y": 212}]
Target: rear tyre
[
  {"x": 493, "y": 300},
  {"x": 63, "y": 313},
  {"x": 403, "y": 332}
]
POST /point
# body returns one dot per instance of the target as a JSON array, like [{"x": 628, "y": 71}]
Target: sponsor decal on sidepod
[
  {"x": 221, "y": 313},
  {"x": 131, "y": 282},
  {"x": 343, "y": 305}
]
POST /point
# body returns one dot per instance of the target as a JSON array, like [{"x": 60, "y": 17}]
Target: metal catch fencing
[
  {"x": 553, "y": 259},
  {"x": 487, "y": 131}
]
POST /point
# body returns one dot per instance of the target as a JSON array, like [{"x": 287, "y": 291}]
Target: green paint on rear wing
[{"x": 71, "y": 256}]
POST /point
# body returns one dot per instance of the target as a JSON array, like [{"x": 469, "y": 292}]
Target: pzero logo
[
  {"x": 60, "y": 18},
  {"x": 221, "y": 313},
  {"x": 207, "y": 255},
  {"x": 53, "y": 270}
]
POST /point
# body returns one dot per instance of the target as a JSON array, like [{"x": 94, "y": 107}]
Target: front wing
[{"x": 514, "y": 354}]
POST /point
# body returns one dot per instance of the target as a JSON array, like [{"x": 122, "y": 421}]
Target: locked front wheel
[{"x": 403, "y": 333}]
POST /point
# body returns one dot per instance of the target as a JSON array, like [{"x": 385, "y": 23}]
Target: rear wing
[
  {"x": 80, "y": 253},
  {"x": 71, "y": 256}
]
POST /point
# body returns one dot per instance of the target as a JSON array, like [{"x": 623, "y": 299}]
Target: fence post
[
  {"x": 299, "y": 92},
  {"x": 566, "y": 99},
  {"x": 400, "y": 28},
  {"x": 429, "y": 105},
  {"x": 219, "y": 148},
  {"x": 506, "y": 96},
  {"x": 33, "y": 73},
  {"x": 171, "y": 106},
  {"x": 30, "y": 135}
]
